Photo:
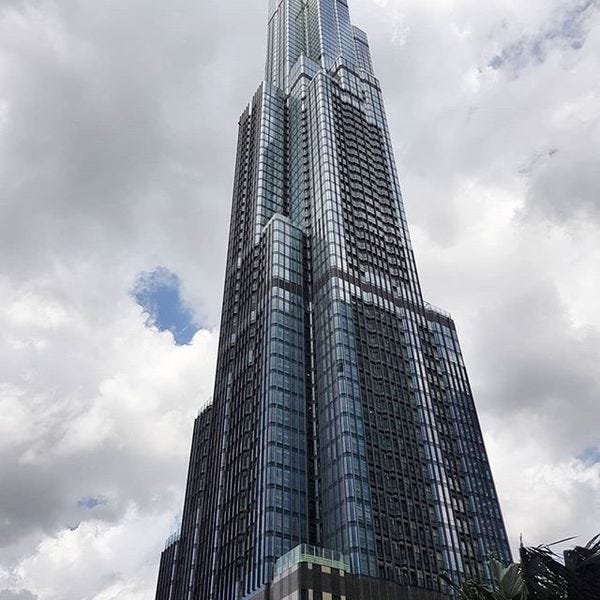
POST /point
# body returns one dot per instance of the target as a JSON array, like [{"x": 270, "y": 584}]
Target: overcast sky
[{"x": 117, "y": 137}]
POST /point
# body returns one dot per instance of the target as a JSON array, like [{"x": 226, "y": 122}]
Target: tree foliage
[
  {"x": 549, "y": 578},
  {"x": 541, "y": 575}
]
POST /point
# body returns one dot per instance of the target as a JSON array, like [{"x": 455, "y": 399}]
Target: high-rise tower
[{"x": 341, "y": 456}]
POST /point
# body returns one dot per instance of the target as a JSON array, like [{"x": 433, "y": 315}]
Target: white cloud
[
  {"x": 545, "y": 501},
  {"x": 99, "y": 407},
  {"x": 102, "y": 561}
]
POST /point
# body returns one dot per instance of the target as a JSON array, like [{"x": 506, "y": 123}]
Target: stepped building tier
[{"x": 341, "y": 456}]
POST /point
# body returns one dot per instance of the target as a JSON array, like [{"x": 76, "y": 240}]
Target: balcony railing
[
  {"x": 313, "y": 555},
  {"x": 437, "y": 309}
]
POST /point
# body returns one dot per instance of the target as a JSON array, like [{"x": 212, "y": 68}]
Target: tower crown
[{"x": 318, "y": 29}]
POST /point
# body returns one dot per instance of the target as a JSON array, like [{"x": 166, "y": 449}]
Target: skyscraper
[{"x": 341, "y": 456}]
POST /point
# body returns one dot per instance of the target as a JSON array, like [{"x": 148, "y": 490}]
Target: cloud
[
  {"x": 108, "y": 144},
  {"x": 568, "y": 28},
  {"x": 102, "y": 560},
  {"x": 21, "y": 595},
  {"x": 117, "y": 136},
  {"x": 531, "y": 374},
  {"x": 538, "y": 387},
  {"x": 81, "y": 400},
  {"x": 568, "y": 188},
  {"x": 568, "y": 490}
]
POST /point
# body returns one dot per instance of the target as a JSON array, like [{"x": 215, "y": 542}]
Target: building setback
[{"x": 342, "y": 456}]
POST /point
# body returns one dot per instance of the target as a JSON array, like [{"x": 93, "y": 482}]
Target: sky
[{"x": 117, "y": 143}]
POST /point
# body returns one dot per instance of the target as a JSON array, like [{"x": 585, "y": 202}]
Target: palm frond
[
  {"x": 508, "y": 580},
  {"x": 569, "y": 539},
  {"x": 545, "y": 577},
  {"x": 594, "y": 544},
  {"x": 548, "y": 578},
  {"x": 541, "y": 575}
]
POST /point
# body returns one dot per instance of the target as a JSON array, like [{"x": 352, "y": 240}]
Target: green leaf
[{"x": 508, "y": 581}]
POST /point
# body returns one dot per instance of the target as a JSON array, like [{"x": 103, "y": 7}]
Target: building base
[{"x": 310, "y": 577}]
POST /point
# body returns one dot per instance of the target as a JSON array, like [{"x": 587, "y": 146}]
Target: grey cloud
[
  {"x": 482, "y": 127},
  {"x": 22, "y": 595},
  {"x": 536, "y": 160},
  {"x": 567, "y": 189},
  {"x": 113, "y": 127},
  {"x": 120, "y": 437},
  {"x": 569, "y": 28},
  {"x": 45, "y": 497},
  {"x": 536, "y": 365},
  {"x": 10, "y": 5}
]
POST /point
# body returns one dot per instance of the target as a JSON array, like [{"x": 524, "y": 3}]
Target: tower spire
[{"x": 320, "y": 30}]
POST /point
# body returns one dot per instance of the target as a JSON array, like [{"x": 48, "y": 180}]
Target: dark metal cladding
[
  {"x": 342, "y": 416},
  {"x": 167, "y": 571}
]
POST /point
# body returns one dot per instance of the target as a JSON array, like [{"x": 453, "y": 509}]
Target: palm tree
[
  {"x": 541, "y": 575},
  {"x": 547, "y": 577}
]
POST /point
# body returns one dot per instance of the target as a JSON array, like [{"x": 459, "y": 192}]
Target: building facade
[{"x": 342, "y": 417}]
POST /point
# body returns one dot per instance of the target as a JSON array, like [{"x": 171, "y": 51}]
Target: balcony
[{"x": 312, "y": 555}]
